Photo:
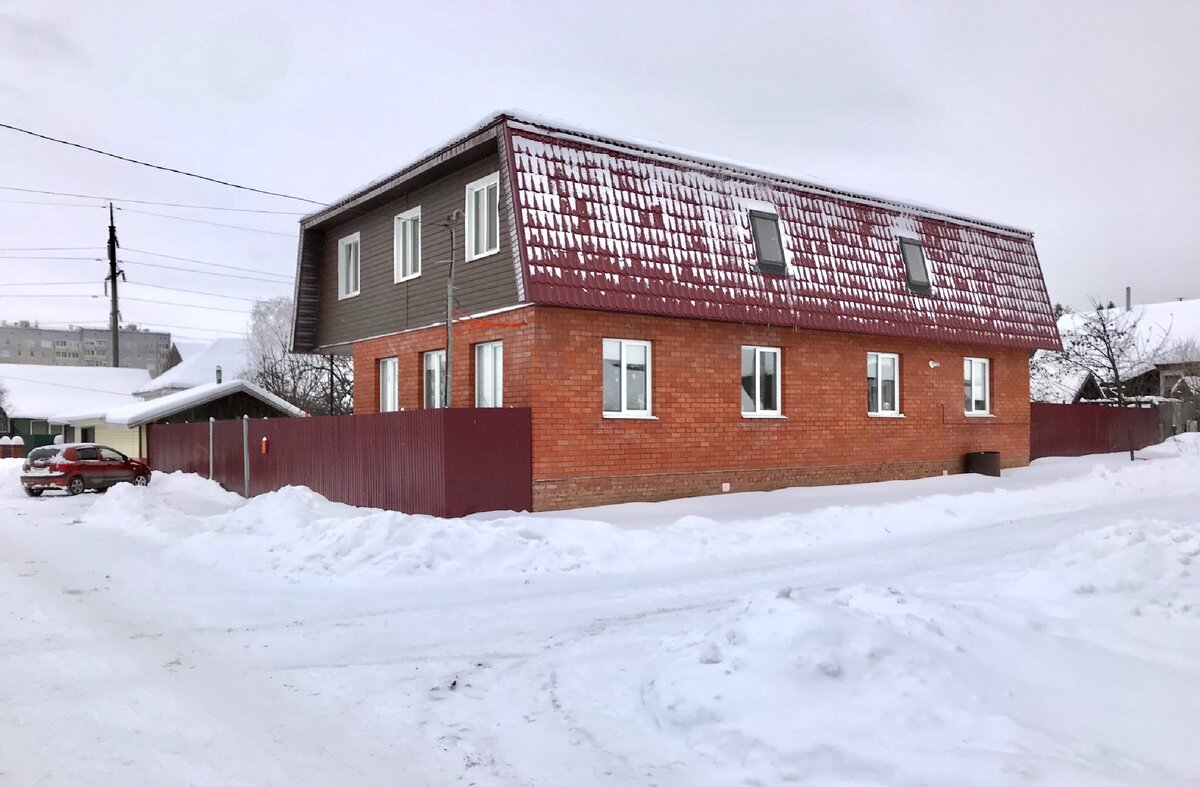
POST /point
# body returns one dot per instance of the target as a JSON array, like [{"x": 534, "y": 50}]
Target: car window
[
  {"x": 86, "y": 454},
  {"x": 44, "y": 453},
  {"x": 110, "y": 455}
]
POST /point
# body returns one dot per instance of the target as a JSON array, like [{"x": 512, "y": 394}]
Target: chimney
[
  {"x": 218, "y": 375},
  {"x": 1128, "y": 299}
]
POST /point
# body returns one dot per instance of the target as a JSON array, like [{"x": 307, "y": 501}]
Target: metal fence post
[
  {"x": 246, "y": 453},
  {"x": 211, "y": 425}
]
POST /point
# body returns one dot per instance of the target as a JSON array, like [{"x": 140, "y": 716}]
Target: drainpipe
[
  {"x": 1128, "y": 299},
  {"x": 450, "y": 223}
]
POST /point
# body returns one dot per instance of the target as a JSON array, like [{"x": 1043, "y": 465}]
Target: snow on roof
[
  {"x": 143, "y": 412},
  {"x": 39, "y": 392},
  {"x": 188, "y": 349},
  {"x": 626, "y": 230},
  {"x": 200, "y": 368}
]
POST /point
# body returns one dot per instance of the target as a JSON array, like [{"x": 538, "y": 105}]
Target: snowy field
[{"x": 1042, "y": 628}]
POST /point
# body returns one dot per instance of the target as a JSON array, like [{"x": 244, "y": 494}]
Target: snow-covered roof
[
  {"x": 40, "y": 392},
  {"x": 625, "y": 225},
  {"x": 143, "y": 412},
  {"x": 188, "y": 349},
  {"x": 200, "y": 368}
]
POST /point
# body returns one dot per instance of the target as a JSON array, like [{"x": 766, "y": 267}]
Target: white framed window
[
  {"x": 434, "y": 366},
  {"x": 626, "y": 378},
  {"x": 348, "y": 266},
  {"x": 406, "y": 261},
  {"x": 883, "y": 383},
  {"x": 768, "y": 242},
  {"x": 483, "y": 216},
  {"x": 761, "y": 381},
  {"x": 389, "y": 380},
  {"x": 489, "y": 374},
  {"x": 977, "y": 399}
]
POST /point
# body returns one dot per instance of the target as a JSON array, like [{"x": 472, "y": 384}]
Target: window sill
[
  {"x": 632, "y": 417},
  {"x": 484, "y": 255},
  {"x": 403, "y": 279},
  {"x": 979, "y": 415},
  {"x": 343, "y": 296},
  {"x": 764, "y": 417},
  {"x": 885, "y": 415}
]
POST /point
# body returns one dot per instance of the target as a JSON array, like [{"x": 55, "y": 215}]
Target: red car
[{"x": 72, "y": 468}]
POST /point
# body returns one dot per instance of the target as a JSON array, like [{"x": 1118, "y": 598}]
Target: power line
[
  {"x": 100, "y": 325},
  {"x": 51, "y": 248},
  {"x": 131, "y": 283},
  {"x": 46, "y": 283},
  {"x": 177, "y": 269},
  {"x": 158, "y": 166},
  {"x": 64, "y": 385},
  {"x": 151, "y": 202},
  {"x": 55, "y": 204},
  {"x": 209, "y": 264},
  {"x": 201, "y": 221},
  {"x": 186, "y": 305}
]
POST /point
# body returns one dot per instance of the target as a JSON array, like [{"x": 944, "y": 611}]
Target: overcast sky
[{"x": 1078, "y": 121}]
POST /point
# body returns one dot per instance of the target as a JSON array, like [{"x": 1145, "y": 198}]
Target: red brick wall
[{"x": 699, "y": 439}]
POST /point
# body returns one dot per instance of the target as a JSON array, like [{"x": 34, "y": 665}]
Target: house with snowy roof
[
  {"x": 677, "y": 324},
  {"x": 35, "y": 394}
]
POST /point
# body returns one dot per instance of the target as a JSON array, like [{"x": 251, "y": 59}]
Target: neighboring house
[
  {"x": 38, "y": 393},
  {"x": 199, "y": 365},
  {"x": 124, "y": 426},
  {"x": 678, "y": 325},
  {"x": 1168, "y": 333},
  {"x": 24, "y": 342}
]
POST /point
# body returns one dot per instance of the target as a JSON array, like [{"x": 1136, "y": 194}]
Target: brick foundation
[{"x": 698, "y": 439}]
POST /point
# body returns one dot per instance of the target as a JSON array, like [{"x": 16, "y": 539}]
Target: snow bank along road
[{"x": 1043, "y": 628}]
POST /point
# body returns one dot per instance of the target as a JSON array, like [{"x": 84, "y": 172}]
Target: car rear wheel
[
  {"x": 141, "y": 479},
  {"x": 75, "y": 486},
  {"x": 33, "y": 492}
]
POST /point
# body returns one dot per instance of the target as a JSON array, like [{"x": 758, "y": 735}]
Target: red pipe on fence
[
  {"x": 445, "y": 462},
  {"x": 1079, "y": 429}
]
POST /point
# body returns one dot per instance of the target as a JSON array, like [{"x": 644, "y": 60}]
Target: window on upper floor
[
  {"x": 883, "y": 384},
  {"x": 915, "y": 266},
  {"x": 389, "y": 380},
  {"x": 348, "y": 266},
  {"x": 489, "y": 374},
  {"x": 760, "y": 382},
  {"x": 768, "y": 242},
  {"x": 407, "y": 252},
  {"x": 433, "y": 366},
  {"x": 977, "y": 399},
  {"x": 626, "y": 378},
  {"x": 483, "y": 216}
]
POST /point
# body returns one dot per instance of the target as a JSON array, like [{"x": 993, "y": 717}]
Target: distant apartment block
[{"x": 25, "y": 342}]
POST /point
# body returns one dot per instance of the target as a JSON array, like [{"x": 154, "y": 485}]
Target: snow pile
[
  {"x": 173, "y": 504},
  {"x": 945, "y": 683},
  {"x": 1186, "y": 444},
  {"x": 10, "y": 478},
  {"x": 1143, "y": 567},
  {"x": 296, "y": 531}
]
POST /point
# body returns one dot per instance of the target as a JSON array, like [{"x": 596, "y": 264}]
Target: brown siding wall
[{"x": 382, "y": 306}]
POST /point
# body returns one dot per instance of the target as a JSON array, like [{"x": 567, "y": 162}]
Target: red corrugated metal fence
[
  {"x": 1078, "y": 429},
  {"x": 441, "y": 462}
]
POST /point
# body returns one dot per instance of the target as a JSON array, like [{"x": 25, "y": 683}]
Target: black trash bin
[{"x": 983, "y": 462}]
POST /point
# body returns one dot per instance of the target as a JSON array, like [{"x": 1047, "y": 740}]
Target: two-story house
[{"x": 678, "y": 325}]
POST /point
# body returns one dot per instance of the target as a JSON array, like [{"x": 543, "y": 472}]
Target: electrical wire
[
  {"x": 128, "y": 284},
  {"x": 152, "y": 202},
  {"x": 158, "y": 166},
  {"x": 202, "y": 273},
  {"x": 209, "y": 264},
  {"x": 209, "y": 223},
  {"x": 63, "y": 385}
]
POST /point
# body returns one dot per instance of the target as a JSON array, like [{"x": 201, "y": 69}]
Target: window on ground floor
[
  {"x": 434, "y": 365},
  {"x": 883, "y": 384},
  {"x": 626, "y": 378},
  {"x": 760, "y": 381},
  {"x": 976, "y": 397},
  {"x": 489, "y": 374},
  {"x": 389, "y": 380}
]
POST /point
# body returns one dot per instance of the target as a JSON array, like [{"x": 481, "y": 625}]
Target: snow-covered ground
[{"x": 1042, "y": 628}]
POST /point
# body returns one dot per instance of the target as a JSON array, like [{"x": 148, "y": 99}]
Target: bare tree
[
  {"x": 3, "y": 408},
  {"x": 1107, "y": 344},
  {"x": 317, "y": 384}
]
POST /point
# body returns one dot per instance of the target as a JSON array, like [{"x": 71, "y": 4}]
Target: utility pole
[{"x": 115, "y": 317}]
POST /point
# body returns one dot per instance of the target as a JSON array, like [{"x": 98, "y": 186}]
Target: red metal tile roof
[{"x": 612, "y": 225}]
